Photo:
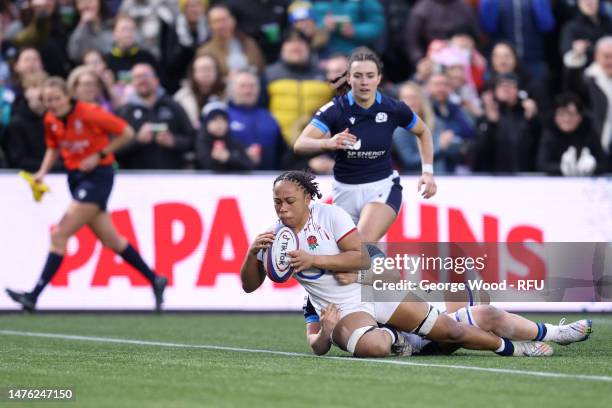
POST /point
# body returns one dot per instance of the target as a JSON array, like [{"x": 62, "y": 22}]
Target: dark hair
[
  {"x": 218, "y": 87},
  {"x": 303, "y": 179},
  {"x": 566, "y": 99},
  {"x": 365, "y": 54},
  {"x": 464, "y": 29}
]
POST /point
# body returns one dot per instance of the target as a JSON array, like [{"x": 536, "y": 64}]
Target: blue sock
[
  {"x": 51, "y": 266},
  {"x": 131, "y": 256},
  {"x": 541, "y": 332},
  {"x": 506, "y": 349}
]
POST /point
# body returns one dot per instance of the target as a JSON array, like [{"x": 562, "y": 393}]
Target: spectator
[
  {"x": 504, "y": 60},
  {"x": 94, "y": 31},
  {"x": 233, "y": 49},
  {"x": 301, "y": 18},
  {"x": 203, "y": 84},
  {"x": 446, "y": 146},
  {"x": 436, "y": 19},
  {"x": 181, "y": 41},
  {"x": 451, "y": 119},
  {"x": 28, "y": 61},
  {"x": 578, "y": 36},
  {"x": 461, "y": 49},
  {"x": 149, "y": 17},
  {"x": 523, "y": 24},
  {"x": 163, "y": 130},
  {"x": 48, "y": 32},
  {"x": 264, "y": 21},
  {"x": 509, "y": 133},
  {"x": 594, "y": 84},
  {"x": 216, "y": 149},
  {"x": 6, "y": 49},
  {"x": 95, "y": 60},
  {"x": 126, "y": 52},
  {"x": 462, "y": 93},
  {"x": 85, "y": 85},
  {"x": 350, "y": 24},
  {"x": 25, "y": 144},
  {"x": 392, "y": 46},
  {"x": 569, "y": 145},
  {"x": 296, "y": 87},
  {"x": 253, "y": 125}
]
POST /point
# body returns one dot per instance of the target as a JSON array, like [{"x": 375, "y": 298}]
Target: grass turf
[{"x": 127, "y": 375}]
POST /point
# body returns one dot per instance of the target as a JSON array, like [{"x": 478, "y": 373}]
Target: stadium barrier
[{"x": 196, "y": 227}]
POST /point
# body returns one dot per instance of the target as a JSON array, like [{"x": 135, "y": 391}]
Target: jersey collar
[{"x": 351, "y": 98}]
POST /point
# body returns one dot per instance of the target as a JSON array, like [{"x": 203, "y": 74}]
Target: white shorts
[
  {"x": 380, "y": 311},
  {"x": 353, "y": 197}
]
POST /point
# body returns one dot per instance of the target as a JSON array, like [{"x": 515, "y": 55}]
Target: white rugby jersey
[{"x": 326, "y": 226}]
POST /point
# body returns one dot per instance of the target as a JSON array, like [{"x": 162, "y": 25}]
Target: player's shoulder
[
  {"x": 392, "y": 103},
  {"x": 85, "y": 110},
  {"x": 324, "y": 211},
  {"x": 335, "y": 104}
]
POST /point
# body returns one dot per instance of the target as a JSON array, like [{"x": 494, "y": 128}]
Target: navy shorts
[{"x": 92, "y": 187}]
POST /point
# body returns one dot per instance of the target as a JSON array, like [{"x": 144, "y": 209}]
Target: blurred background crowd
[{"x": 507, "y": 86}]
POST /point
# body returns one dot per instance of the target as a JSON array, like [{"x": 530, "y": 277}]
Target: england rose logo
[{"x": 312, "y": 242}]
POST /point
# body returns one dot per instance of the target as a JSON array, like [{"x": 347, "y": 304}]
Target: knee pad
[
  {"x": 351, "y": 345},
  {"x": 428, "y": 322}
]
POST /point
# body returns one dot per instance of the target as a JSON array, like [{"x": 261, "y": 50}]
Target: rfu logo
[
  {"x": 352, "y": 120},
  {"x": 381, "y": 117}
]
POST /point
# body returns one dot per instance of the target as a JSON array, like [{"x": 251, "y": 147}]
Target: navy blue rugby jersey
[{"x": 370, "y": 158}]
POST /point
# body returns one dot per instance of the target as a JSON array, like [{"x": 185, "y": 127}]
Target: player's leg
[
  {"x": 423, "y": 319},
  {"x": 359, "y": 334},
  {"x": 77, "y": 215},
  {"x": 103, "y": 228},
  {"x": 382, "y": 200},
  {"x": 375, "y": 220},
  {"x": 516, "y": 327}
]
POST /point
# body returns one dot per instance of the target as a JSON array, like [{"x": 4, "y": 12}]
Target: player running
[
  {"x": 358, "y": 127},
  {"x": 80, "y": 132}
]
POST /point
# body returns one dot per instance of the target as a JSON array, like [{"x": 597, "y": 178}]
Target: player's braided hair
[{"x": 303, "y": 179}]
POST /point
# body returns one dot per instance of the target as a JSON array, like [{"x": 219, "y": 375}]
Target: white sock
[
  {"x": 552, "y": 331},
  {"x": 501, "y": 347}
]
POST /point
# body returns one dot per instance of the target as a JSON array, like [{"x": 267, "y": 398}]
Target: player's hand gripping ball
[{"x": 276, "y": 258}]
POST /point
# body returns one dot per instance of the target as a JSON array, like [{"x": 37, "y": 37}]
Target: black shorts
[{"x": 92, "y": 187}]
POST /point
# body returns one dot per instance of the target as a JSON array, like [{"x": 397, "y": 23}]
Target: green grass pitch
[{"x": 107, "y": 374}]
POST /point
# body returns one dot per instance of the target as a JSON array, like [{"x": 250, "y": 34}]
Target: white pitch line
[{"x": 293, "y": 354}]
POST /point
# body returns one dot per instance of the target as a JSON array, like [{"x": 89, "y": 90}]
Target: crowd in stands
[{"x": 506, "y": 86}]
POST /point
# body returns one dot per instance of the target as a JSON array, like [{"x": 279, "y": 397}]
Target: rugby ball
[{"x": 276, "y": 261}]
